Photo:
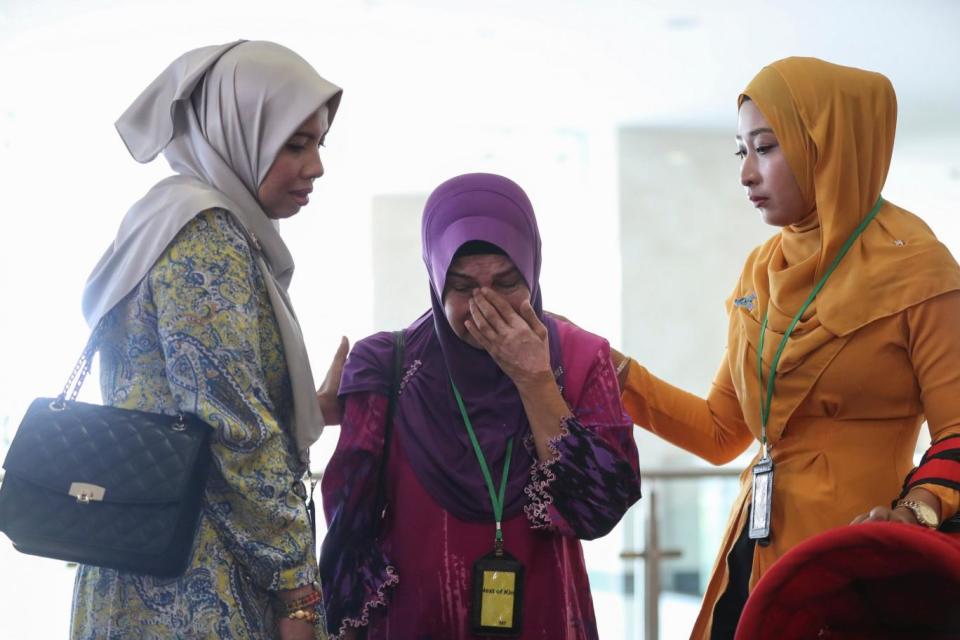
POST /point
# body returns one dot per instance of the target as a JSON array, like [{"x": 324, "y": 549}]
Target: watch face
[
  {"x": 929, "y": 516},
  {"x": 923, "y": 512}
]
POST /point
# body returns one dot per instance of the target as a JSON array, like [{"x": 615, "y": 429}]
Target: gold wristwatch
[{"x": 923, "y": 512}]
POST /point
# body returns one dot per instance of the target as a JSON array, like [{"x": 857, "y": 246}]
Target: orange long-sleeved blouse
[{"x": 848, "y": 445}]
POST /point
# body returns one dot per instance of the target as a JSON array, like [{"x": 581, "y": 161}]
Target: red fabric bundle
[{"x": 873, "y": 580}]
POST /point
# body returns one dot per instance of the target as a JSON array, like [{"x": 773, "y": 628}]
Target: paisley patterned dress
[{"x": 198, "y": 334}]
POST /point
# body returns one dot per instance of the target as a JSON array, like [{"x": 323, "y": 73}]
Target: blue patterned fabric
[{"x": 198, "y": 334}]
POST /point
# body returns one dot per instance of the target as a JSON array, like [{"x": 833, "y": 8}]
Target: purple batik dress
[{"x": 410, "y": 576}]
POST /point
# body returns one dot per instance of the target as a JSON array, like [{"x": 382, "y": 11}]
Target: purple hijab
[{"x": 428, "y": 424}]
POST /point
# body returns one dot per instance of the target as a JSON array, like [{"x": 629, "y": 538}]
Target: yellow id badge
[{"x": 497, "y": 595}]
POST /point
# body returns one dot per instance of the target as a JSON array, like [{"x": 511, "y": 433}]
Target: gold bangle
[{"x": 304, "y": 615}]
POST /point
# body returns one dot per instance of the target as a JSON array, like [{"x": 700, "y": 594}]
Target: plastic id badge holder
[
  {"x": 761, "y": 501},
  {"x": 497, "y": 596}
]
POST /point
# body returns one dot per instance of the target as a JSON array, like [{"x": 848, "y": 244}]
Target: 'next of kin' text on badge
[{"x": 497, "y": 595}]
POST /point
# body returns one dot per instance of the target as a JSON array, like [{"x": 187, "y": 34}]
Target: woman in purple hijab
[{"x": 508, "y": 445}]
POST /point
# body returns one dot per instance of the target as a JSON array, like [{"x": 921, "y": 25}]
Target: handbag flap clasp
[{"x": 86, "y": 493}]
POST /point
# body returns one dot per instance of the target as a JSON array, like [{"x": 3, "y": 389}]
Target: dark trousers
[{"x": 726, "y": 614}]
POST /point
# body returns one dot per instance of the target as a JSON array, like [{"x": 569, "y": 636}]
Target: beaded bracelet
[
  {"x": 308, "y": 601},
  {"x": 305, "y": 615}
]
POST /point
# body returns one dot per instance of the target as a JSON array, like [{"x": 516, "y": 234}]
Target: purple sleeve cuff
[
  {"x": 585, "y": 489},
  {"x": 539, "y": 510}
]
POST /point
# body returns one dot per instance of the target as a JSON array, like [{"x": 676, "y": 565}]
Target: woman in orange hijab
[{"x": 842, "y": 337}]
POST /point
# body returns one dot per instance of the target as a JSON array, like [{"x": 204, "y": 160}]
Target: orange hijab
[{"x": 836, "y": 126}]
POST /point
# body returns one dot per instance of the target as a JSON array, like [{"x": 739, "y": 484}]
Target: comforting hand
[
  {"x": 327, "y": 393},
  {"x": 619, "y": 360},
  {"x": 620, "y": 364},
  {"x": 517, "y": 342},
  {"x": 885, "y": 514}
]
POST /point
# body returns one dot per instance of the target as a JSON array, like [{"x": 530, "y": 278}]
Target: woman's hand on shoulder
[
  {"x": 621, "y": 364},
  {"x": 327, "y": 393},
  {"x": 518, "y": 342},
  {"x": 620, "y": 361}
]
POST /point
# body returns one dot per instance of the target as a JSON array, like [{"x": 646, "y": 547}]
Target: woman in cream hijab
[
  {"x": 842, "y": 337},
  {"x": 190, "y": 302}
]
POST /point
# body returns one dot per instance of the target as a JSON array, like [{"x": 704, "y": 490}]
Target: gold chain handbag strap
[{"x": 80, "y": 370}]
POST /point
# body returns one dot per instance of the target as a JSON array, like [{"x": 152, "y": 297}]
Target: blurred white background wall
[{"x": 617, "y": 117}]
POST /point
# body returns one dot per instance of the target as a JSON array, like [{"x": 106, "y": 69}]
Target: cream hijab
[{"x": 220, "y": 114}]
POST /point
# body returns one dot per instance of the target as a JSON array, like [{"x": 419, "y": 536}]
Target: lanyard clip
[
  {"x": 498, "y": 541},
  {"x": 765, "y": 450}
]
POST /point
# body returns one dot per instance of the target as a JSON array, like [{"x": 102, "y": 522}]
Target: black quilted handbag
[{"x": 102, "y": 485}]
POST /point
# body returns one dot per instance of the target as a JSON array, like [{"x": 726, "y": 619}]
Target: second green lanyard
[
  {"x": 765, "y": 403},
  {"x": 761, "y": 494}
]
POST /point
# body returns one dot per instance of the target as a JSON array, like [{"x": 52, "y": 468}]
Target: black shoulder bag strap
[{"x": 380, "y": 515}]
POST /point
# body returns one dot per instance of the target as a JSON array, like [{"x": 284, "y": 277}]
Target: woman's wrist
[
  {"x": 536, "y": 384},
  {"x": 621, "y": 364},
  {"x": 907, "y": 515},
  {"x": 546, "y": 411},
  {"x": 623, "y": 370},
  {"x": 302, "y": 604},
  {"x": 291, "y": 595},
  {"x": 920, "y": 502}
]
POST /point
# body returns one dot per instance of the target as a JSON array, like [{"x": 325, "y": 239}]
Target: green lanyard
[
  {"x": 765, "y": 406},
  {"x": 495, "y": 499}
]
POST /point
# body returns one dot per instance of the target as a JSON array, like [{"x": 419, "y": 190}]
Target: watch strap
[{"x": 924, "y": 513}]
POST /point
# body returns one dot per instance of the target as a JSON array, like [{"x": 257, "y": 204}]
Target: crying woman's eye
[{"x": 506, "y": 286}]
